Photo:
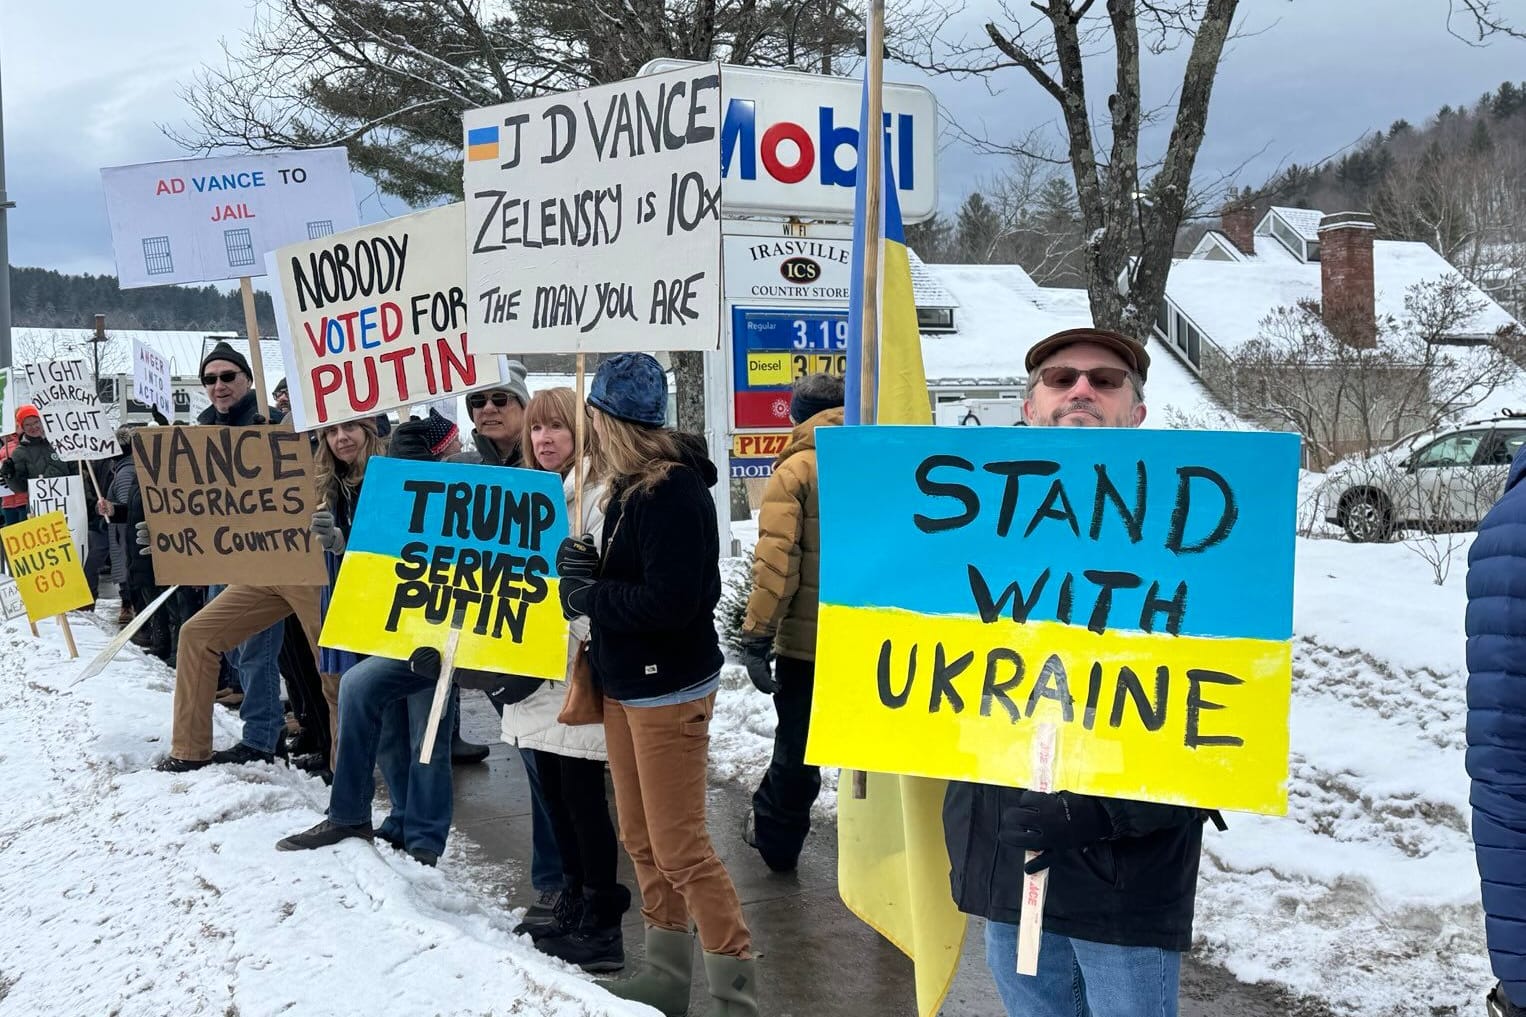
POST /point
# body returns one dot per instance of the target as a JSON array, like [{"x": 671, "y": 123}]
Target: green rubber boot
[
  {"x": 663, "y": 981},
  {"x": 733, "y": 986}
]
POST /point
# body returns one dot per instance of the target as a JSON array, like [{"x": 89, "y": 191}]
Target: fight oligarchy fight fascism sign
[
  {"x": 442, "y": 546},
  {"x": 376, "y": 319},
  {"x": 1134, "y": 588},
  {"x": 593, "y": 217}
]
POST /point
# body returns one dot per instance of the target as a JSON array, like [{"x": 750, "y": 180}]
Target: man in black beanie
[{"x": 229, "y": 384}]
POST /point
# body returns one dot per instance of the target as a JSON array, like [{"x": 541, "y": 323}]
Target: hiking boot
[
  {"x": 594, "y": 950},
  {"x": 663, "y": 981},
  {"x": 230, "y": 698},
  {"x": 324, "y": 834},
  {"x": 596, "y": 945},
  {"x": 125, "y": 614},
  {"x": 463, "y": 751},
  {"x": 566, "y": 913},
  {"x": 309, "y": 762},
  {"x": 390, "y": 837},
  {"x": 242, "y": 753},
  {"x": 424, "y": 857},
  {"x": 171, "y": 764},
  {"x": 733, "y": 986}
]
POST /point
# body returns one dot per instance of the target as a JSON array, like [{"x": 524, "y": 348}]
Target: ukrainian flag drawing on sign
[
  {"x": 438, "y": 546},
  {"x": 892, "y": 867},
  {"x": 481, "y": 143}
]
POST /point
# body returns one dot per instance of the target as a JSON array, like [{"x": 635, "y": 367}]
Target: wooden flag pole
[
  {"x": 256, "y": 358},
  {"x": 871, "y": 166},
  {"x": 441, "y": 692},
  {"x": 577, "y": 457},
  {"x": 1030, "y": 929},
  {"x": 63, "y": 623}
]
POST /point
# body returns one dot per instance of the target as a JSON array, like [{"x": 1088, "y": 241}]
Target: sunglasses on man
[
  {"x": 1103, "y": 379},
  {"x": 226, "y": 377},
  {"x": 477, "y": 400}
]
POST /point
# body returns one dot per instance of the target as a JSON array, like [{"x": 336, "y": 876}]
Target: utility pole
[{"x": 5, "y": 255}]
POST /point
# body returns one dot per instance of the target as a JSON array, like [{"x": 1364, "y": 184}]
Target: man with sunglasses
[
  {"x": 245, "y": 622},
  {"x": 498, "y": 416},
  {"x": 1123, "y": 873}
]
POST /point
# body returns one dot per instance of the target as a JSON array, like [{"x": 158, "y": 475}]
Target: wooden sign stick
[
  {"x": 256, "y": 357},
  {"x": 441, "y": 691},
  {"x": 93, "y": 482},
  {"x": 1036, "y": 886},
  {"x": 63, "y": 623},
  {"x": 111, "y": 649},
  {"x": 577, "y": 458}
]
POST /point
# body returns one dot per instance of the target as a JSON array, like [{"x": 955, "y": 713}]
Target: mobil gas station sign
[{"x": 789, "y": 143}]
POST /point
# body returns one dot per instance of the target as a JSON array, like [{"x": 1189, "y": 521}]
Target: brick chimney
[
  {"x": 1238, "y": 223},
  {"x": 1345, "y": 277}
]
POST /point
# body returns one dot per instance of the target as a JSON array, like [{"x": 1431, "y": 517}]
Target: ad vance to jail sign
[
  {"x": 442, "y": 546},
  {"x": 1132, "y": 588}
]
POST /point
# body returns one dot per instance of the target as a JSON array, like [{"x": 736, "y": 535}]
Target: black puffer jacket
[
  {"x": 32, "y": 458},
  {"x": 1137, "y": 889},
  {"x": 653, "y": 609},
  {"x": 244, "y": 413}
]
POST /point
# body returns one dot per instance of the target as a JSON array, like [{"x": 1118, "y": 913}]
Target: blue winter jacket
[{"x": 1496, "y": 627}]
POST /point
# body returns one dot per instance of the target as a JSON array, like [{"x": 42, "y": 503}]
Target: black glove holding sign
[
  {"x": 1053, "y": 822},
  {"x": 577, "y": 562}
]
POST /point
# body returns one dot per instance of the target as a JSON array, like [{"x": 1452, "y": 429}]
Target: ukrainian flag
[
  {"x": 481, "y": 143},
  {"x": 892, "y": 866}
]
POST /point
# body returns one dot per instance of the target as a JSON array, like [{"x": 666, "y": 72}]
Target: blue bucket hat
[{"x": 631, "y": 386}]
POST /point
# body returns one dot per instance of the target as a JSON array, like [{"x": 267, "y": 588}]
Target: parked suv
[{"x": 1433, "y": 480}]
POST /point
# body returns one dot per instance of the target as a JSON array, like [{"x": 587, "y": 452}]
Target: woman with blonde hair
[
  {"x": 650, "y": 600},
  {"x": 584, "y": 928},
  {"x": 339, "y": 467}
]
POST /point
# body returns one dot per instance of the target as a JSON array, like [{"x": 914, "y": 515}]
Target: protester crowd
[{"x": 639, "y": 582}]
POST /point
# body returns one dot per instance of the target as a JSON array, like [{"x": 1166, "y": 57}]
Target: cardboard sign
[
  {"x": 72, "y": 417},
  {"x": 229, "y": 505},
  {"x": 46, "y": 566},
  {"x": 1134, "y": 588},
  {"x": 593, "y": 218},
  {"x": 375, "y": 319},
  {"x": 199, "y": 220},
  {"x": 443, "y": 546},
  {"x": 11, "y": 605},
  {"x": 151, "y": 383},
  {"x": 61, "y": 494}
]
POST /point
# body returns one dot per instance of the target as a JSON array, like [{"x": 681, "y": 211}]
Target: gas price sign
[{"x": 771, "y": 348}]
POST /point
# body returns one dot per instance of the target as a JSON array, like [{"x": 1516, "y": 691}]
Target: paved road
[{"x": 817, "y": 959}]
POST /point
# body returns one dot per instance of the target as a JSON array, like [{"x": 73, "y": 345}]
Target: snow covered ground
[
  {"x": 128, "y": 892},
  {"x": 138, "y": 894}
]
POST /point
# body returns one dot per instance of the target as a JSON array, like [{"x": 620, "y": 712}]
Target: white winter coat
[{"x": 531, "y": 722}]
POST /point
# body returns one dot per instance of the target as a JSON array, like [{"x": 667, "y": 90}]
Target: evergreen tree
[{"x": 977, "y": 230}]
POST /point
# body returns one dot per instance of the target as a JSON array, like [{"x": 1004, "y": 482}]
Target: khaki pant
[
  {"x": 658, "y": 757},
  {"x": 331, "y": 693},
  {"x": 231, "y": 617}
]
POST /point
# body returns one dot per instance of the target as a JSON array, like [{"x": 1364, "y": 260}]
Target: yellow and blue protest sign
[
  {"x": 441, "y": 546},
  {"x": 1134, "y": 588}
]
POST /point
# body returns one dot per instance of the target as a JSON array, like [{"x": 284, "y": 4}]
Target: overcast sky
[{"x": 87, "y": 83}]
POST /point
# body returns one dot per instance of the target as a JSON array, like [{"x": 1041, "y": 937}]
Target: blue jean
[
  {"x": 383, "y": 710},
  {"x": 1077, "y": 978},
  {"x": 545, "y": 859},
  {"x": 256, "y": 672}
]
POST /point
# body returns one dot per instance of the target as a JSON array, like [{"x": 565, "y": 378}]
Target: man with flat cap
[{"x": 1123, "y": 874}]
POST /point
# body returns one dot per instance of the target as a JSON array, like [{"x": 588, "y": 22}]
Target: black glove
[
  {"x": 756, "y": 654},
  {"x": 326, "y": 532},
  {"x": 144, "y": 540},
  {"x": 1048, "y": 822},
  {"x": 425, "y": 662},
  {"x": 577, "y": 559}
]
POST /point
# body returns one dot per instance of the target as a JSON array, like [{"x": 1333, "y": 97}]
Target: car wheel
[{"x": 1368, "y": 518}]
